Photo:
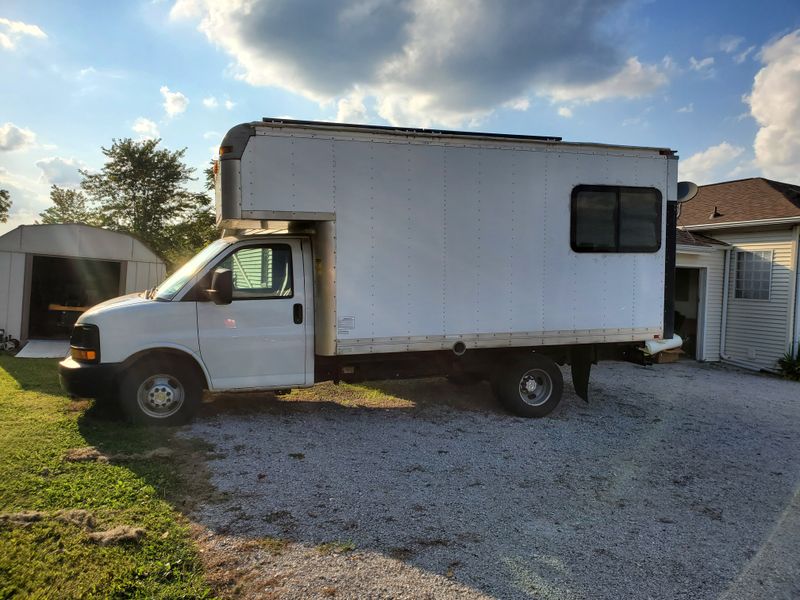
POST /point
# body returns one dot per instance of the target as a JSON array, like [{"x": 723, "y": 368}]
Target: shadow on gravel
[
  {"x": 406, "y": 395},
  {"x": 671, "y": 483}
]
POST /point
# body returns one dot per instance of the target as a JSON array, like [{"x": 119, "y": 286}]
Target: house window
[
  {"x": 607, "y": 218},
  {"x": 753, "y": 274}
]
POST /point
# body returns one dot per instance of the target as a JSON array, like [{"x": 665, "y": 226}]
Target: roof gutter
[
  {"x": 726, "y": 279},
  {"x": 689, "y": 249},
  {"x": 732, "y": 224}
]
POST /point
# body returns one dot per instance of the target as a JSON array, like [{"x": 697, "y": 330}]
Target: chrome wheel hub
[
  {"x": 160, "y": 396},
  {"x": 535, "y": 387}
]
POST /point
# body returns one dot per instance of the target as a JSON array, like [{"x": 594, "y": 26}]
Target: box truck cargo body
[{"x": 386, "y": 252}]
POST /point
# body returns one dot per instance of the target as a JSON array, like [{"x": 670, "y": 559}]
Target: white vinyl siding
[
  {"x": 758, "y": 331},
  {"x": 714, "y": 264}
]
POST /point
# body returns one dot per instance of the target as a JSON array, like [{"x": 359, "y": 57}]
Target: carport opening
[
  {"x": 687, "y": 308},
  {"x": 63, "y": 288}
]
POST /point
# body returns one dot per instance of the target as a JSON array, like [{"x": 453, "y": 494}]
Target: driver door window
[{"x": 261, "y": 272}]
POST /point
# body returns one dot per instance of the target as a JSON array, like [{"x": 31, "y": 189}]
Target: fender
[{"x": 175, "y": 348}]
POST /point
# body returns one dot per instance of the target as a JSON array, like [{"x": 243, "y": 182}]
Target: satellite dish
[{"x": 686, "y": 191}]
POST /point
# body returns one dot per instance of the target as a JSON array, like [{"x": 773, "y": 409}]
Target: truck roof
[
  {"x": 235, "y": 140},
  {"x": 439, "y": 133}
]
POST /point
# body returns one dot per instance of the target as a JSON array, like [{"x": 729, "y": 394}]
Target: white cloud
[
  {"x": 705, "y": 166},
  {"x": 29, "y": 195},
  {"x": 15, "y": 138},
  {"x": 704, "y": 66},
  {"x": 146, "y": 128},
  {"x": 212, "y": 135},
  {"x": 687, "y": 109},
  {"x": 229, "y": 104},
  {"x": 425, "y": 62},
  {"x": 742, "y": 56},
  {"x": 522, "y": 103},
  {"x": 12, "y": 31},
  {"x": 634, "y": 80},
  {"x": 186, "y": 9},
  {"x": 351, "y": 108},
  {"x": 61, "y": 171},
  {"x": 174, "y": 102},
  {"x": 210, "y": 102},
  {"x": 730, "y": 43},
  {"x": 775, "y": 105},
  {"x": 565, "y": 112}
]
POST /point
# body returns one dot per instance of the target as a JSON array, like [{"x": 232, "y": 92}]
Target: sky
[{"x": 718, "y": 81}]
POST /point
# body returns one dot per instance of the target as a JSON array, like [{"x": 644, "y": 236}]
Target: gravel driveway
[{"x": 676, "y": 481}]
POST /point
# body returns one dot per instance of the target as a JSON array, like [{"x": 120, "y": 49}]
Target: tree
[
  {"x": 69, "y": 206},
  {"x": 141, "y": 190},
  {"x": 5, "y": 205}
]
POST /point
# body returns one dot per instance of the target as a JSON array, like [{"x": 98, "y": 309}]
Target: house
[
  {"x": 52, "y": 273},
  {"x": 737, "y": 293}
]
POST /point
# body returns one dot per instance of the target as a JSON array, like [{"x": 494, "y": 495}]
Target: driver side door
[{"x": 259, "y": 339}]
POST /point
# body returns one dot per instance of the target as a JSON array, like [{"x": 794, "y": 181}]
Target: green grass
[{"x": 51, "y": 559}]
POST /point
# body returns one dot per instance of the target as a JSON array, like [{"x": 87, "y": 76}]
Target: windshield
[{"x": 175, "y": 282}]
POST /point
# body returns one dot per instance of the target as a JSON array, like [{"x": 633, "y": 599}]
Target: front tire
[
  {"x": 160, "y": 391},
  {"x": 529, "y": 387}
]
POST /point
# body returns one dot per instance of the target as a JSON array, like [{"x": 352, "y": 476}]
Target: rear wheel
[
  {"x": 529, "y": 387},
  {"x": 161, "y": 391}
]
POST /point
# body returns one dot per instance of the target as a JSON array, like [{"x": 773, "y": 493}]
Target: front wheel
[
  {"x": 529, "y": 387},
  {"x": 160, "y": 391}
]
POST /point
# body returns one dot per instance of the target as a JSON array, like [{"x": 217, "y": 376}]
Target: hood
[{"x": 129, "y": 300}]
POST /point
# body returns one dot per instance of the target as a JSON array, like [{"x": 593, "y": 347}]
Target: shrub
[{"x": 790, "y": 366}]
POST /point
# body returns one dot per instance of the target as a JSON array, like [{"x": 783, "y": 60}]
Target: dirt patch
[
  {"x": 86, "y": 454},
  {"x": 22, "y": 518},
  {"x": 78, "y": 517},
  {"x": 118, "y": 535},
  {"x": 92, "y": 454},
  {"x": 242, "y": 568}
]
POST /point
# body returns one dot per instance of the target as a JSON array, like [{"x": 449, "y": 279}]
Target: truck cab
[{"x": 237, "y": 316}]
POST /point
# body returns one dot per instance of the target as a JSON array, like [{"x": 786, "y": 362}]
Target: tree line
[{"x": 141, "y": 190}]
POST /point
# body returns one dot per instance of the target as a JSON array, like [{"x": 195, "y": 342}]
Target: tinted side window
[
  {"x": 639, "y": 220},
  {"x": 595, "y": 219},
  {"x": 615, "y": 219},
  {"x": 261, "y": 271}
]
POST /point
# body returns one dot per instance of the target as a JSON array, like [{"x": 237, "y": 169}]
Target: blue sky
[{"x": 718, "y": 81}]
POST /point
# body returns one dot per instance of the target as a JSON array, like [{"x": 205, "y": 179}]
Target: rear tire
[
  {"x": 162, "y": 391},
  {"x": 529, "y": 387}
]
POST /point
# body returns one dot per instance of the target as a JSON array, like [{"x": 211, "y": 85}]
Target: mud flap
[{"x": 581, "y": 358}]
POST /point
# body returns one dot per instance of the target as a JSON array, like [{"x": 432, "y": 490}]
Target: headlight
[{"x": 84, "y": 344}]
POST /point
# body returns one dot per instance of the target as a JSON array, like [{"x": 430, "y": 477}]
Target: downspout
[
  {"x": 726, "y": 276},
  {"x": 796, "y": 342}
]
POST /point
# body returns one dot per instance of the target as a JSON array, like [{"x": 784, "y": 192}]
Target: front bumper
[{"x": 87, "y": 380}]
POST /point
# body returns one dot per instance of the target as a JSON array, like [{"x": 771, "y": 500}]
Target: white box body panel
[{"x": 440, "y": 240}]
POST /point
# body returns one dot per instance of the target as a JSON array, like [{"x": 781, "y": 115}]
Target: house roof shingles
[{"x": 752, "y": 199}]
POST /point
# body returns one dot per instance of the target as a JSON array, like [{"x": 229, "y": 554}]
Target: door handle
[{"x": 298, "y": 314}]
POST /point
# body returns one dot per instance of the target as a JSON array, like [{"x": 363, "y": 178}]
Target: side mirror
[{"x": 221, "y": 291}]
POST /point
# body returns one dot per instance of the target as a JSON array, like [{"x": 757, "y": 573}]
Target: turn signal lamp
[
  {"x": 83, "y": 355},
  {"x": 225, "y": 150}
]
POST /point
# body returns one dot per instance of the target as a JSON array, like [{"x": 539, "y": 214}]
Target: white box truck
[{"x": 353, "y": 253}]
